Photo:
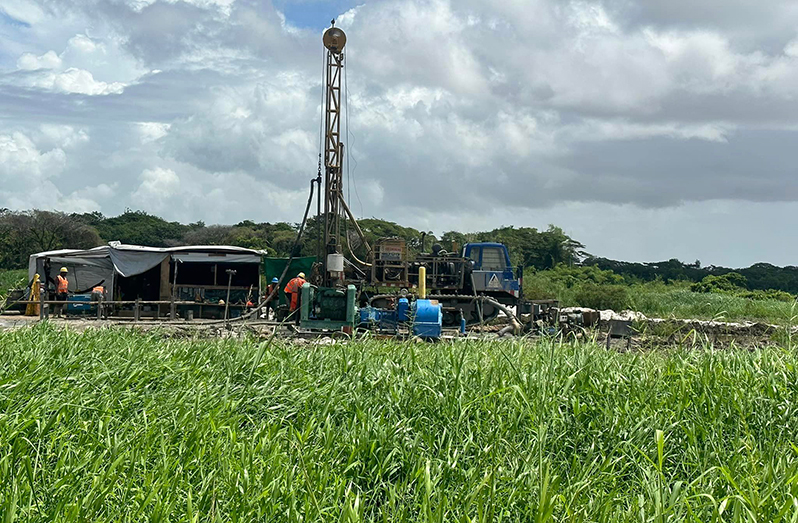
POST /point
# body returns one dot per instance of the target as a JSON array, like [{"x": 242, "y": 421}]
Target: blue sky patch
[
  {"x": 6, "y": 19},
  {"x": 313, "y": 14}
]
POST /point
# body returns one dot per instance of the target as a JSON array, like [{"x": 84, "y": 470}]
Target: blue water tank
[
  {"x": 427, "y": 319},
  {"x": 79, "y": 303}
]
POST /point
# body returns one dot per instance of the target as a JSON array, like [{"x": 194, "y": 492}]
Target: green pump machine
[{"x": 327, "y": 308}]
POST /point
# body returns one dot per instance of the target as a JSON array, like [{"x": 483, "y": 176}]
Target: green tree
[
  {"x": 210, "y": 235},
  {"x": 23, "y": 233},
  {"x": 140, "y": 228},
  {"x": 249, "y": 237},
  {"x": 731, "y": 282}
]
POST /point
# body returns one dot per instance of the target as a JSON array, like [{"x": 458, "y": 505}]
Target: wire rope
[{"x": 351, "y": 137}]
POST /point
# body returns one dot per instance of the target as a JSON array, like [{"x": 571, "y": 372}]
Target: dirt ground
[{"x": 650, "y": 333}]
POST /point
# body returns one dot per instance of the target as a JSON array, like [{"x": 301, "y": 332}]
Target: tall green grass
[
  {"x": 657, "y": 299},
  {"x": 669, "y": 300},
  {"x": 116, "y": 426}
]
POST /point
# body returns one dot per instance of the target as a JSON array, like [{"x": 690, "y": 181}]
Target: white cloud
[
  {"x": 594, "y": 130},
  {"x": 31, "y": 62},
  {"x": 26, "y": 172},
  {"x": 22, "y": 162},
  {"x": 152, "y": 131},
  {"x": 157, "y": 186},
  {"x": 26, "y": 11},
  {"x": 544, "y": 107},
  {"x": 87, "y": 199},
  {"x": 82, "y": 43},
  {"x": 63, "y": 136},
  {"x": 345, "y": 20},
  {"x": 79, "y": 81},
  {"x": 73, "y": 71}
]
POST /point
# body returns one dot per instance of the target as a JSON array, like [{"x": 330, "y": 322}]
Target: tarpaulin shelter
[
  {"x": 129, "y": 272},
  {"x": 273, "y": 268}
]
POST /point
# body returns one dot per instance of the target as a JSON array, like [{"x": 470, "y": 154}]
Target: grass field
[
  {"x": 664, "y": 301},
  {"x": 118, "y": 426},
  {"x": 660, "y": 300}
]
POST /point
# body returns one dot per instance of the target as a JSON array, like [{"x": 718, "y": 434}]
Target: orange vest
[
  {"x": 293, "y": 288},
  {"x": 294, "y": 285},
  {"x": 99, "y": 289},
  {"x": 61, "y": 284}
]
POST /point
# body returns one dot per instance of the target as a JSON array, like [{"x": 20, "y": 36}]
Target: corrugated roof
[{"x": 144, "y": 248}]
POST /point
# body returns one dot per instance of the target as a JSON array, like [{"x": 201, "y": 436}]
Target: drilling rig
[{"x": 465, "y": 288}]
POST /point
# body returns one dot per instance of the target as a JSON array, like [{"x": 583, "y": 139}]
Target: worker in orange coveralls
[
  {"x": 61, "y": 291},
  {"x": 293, "y": 289}
]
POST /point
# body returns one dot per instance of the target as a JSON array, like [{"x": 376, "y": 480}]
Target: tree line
[
  {"x": 760, "y": 276},
  {"x": 23, "y": 233}
]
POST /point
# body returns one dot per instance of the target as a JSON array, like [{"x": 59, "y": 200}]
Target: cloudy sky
[{"x": 646, "y": 129}]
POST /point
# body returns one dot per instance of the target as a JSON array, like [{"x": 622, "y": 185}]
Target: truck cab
[{"x": 492, "y": 270}]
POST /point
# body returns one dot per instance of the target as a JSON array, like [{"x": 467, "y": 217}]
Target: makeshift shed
[{"x": 198, "y": 273}]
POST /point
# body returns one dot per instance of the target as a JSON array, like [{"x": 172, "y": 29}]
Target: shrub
[
  {"x": 573, "y": 276},
  {"x": 730, "y": 282},
  {"x": 770, "y": 294},
  {"x": 615, "y": 297}
]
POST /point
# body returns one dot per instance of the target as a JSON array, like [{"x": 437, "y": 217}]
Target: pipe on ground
[
  {"x": 507, "y": 330},
  {"x": 515, "y": 323}
]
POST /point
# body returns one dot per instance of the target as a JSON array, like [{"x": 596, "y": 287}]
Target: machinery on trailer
[
  {"x": 454, "y": 279},
  {"x": 452, "y": 289}
]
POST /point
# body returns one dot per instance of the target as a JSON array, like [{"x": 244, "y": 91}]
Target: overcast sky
[{"x": 646, "y": 129}]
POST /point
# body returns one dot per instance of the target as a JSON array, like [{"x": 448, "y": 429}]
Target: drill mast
[
  {"x": 334, "y": 40},
  {"x": 335, "y": 208}
]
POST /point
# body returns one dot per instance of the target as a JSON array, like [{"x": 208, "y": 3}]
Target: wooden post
[
  {"x": 230, "y": 273},
  {"x": 137, "y": 310},
  {"x": 165, "y": 288},
  {"x": 42, "y": 296},
  {"x": 173, "y": 311}
]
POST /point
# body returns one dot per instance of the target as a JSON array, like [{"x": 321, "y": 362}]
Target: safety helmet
[
  {"x": 301, "y": 275},
  {"x": 64, "y": 269},
  {"x": 275, "y": 280}
]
